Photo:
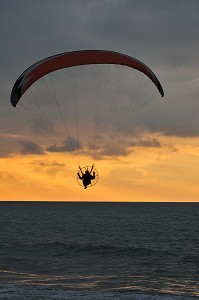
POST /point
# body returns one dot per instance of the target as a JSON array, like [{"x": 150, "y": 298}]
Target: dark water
[{"x": 99, "y": 250}]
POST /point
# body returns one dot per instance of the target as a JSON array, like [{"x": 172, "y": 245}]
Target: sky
[{"x": 155, "y": 155}]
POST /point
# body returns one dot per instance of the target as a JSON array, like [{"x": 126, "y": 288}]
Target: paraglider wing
[{"x": 76, "y": 58}]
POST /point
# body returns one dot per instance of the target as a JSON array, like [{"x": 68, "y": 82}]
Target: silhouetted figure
[{"x": 86, "y": 178}]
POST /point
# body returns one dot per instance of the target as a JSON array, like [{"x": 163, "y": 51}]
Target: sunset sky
[{"x": 155, "y": 155}]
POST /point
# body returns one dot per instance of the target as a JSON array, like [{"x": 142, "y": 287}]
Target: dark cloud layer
[
  {"x": 158, "y": 30},
  {"x": 69, "y": 145},
  {"x": 145, "y": 142},
  {"x": 29, "y": 147},
  {"x": 162, "y": 34}
]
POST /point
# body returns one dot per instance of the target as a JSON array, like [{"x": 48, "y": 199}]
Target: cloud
[
  {"x": 122, "y": 147},
  {"x": 49, "y": 168},
  {"x": 112, "y": 149},
  {"x": 29, "y": 147},
  {"x": 52, "y": 164},
  {"x": 94, "y": 147},
  {"x": 69, "y": 145},
  {"x": 7, "y": 178},
  {"x": 145, "y": 142},
  {"x": 7, "y": 145},
  {"x": 116, "y": 150}
]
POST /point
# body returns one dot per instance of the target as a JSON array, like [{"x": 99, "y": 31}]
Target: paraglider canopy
[{"x": 77, "y": 58}]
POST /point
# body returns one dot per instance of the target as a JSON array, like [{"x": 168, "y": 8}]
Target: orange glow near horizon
[{"x": 147, "y": 174}]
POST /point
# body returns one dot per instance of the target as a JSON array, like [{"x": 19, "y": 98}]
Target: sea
[{"x": 99, "y": 251}]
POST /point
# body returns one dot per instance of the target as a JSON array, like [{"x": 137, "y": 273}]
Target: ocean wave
[
  {"x": 95, "y": 248},
  {"x": 32, "y": 292}
]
